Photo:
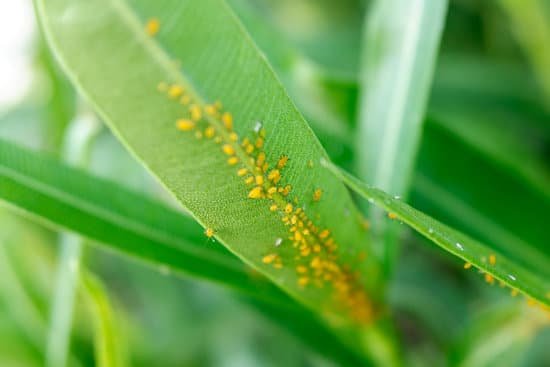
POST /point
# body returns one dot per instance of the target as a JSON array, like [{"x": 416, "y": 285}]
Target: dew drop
[
  {"x": 511, "y": 277},
  {"x": 459, "y": 246},
  {"x": 278, "y": 242},
  {"x": 257, "y": 126},
  {"x": 397, "y": 197},
  {"x": 371, "y": 200},
  {"x": 430, "y": 230}
]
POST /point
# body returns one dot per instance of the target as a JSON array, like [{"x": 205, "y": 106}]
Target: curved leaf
[
  {"x": 494, "y": 265},
  {"x": 119, "y": 74}
]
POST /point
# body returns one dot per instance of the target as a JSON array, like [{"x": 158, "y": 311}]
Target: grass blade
[
  {"x": 400, "y": 46},
  {"x": 108, "y": 346},
  {"x": 120, "y": 220},
  {"x": 495, "y": 266},
  {"x": 78, "y": 140},
  {"x": 199, "y": 165}
]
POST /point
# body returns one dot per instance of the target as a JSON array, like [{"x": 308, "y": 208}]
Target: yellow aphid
[
  {"x": 228, "y": 149},
  {"x": 392, "y": 215},
  {"x": 492, "y": 259},
  {"x": 316, "y": 248},
  {"x": 249, "y": 180},
  {"x": 268, "y": 259},
  {"x": 210, "y": 110},
  {"x": 227, "y": 120},
  {"x": 209, "y": 232},
  {"x": 489, "y": 278},
  {"x": 273, "y": 207},
  {"x": 152, "y": 27},
  {"x": 303, "y": 281},
  {"x": 259, "y": 180},
  {"x": 288, "y": 208},
  {"x": 310, "y": 163},
  {"x": 249, "y": 148},
  {"x": 281, "y": 163},
  {"x": 185, "y": 99},
  {"x": 298, "y": 236},
  {"x": 233, "y": 161},
  {"x": 286, "y": 190},
  {"x": 324, "y": 234},
  {"x": 467, "y": 265},
  {"x": 317, "y": 195},
  {"x": 233, "y": 137},
  {"x": 278, "y": 265},
  {"x": 241, "y": 172},
  {"x": 261, "y": 159},
  {"x": 514, "y": 292},
  {"x": 185, "y": 124},
  {"x": 217, "y": 139},
  {"x": 196, "y": 112},
  {"x": 256, "y": 193},
  {"x": 162, "y": 87},
  {"x": 274, "y": 175},
  {"x": 175, "y": 91},
  {"x": 209, "y": 132},
  {"x": 259, "y": 143},
  {"x": 272, "y": 190},
  {"x": 301, "y": 269}
]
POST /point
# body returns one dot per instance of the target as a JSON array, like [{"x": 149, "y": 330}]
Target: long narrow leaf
[
  {"x": 494, "y": 265},
  {"x": 138, "y": 227},
  {"x": 399, "y": 51},
  {"x": 155, "y": 67}
]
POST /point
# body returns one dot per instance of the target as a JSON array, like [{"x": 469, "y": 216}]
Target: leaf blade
[
  {"x": 500, "y": 268},
  {"x": 216, "y": 62}
]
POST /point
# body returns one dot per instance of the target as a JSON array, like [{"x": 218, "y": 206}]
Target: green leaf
[
  {"x": 399, "y": 52},
  {"x": 530, "y": 21},
  {"x": 118, "y": 218},
  {"x": 216, "y": 60},
  {"x": 109, "y": 348},
  {"x": 496, "y": 266},
  {"x": 79, "y": 138},
  {"x": 138, "y": 227},
  {"x": 61, "y": 307}
]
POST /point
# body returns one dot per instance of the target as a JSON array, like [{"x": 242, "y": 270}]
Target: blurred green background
[{"x": 488, "y": 114}]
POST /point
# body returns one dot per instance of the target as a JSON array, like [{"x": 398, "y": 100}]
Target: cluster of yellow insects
[{"x": 316, "y": 261}]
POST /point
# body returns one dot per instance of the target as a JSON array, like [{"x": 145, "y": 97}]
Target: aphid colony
[
  {"x": 490, "y": 279},
  {"x": 316, "y": 259}
]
